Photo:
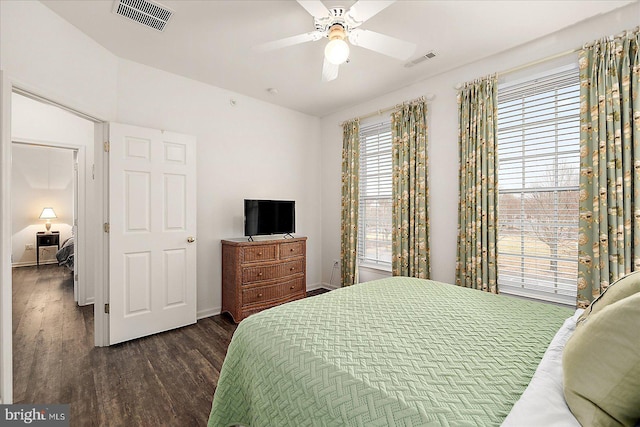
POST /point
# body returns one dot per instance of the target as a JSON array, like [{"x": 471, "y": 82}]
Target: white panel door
[{"x": 152, "y": 217}]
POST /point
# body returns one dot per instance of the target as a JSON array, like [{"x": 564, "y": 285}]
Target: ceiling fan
[{"x": 338, "y": 24}]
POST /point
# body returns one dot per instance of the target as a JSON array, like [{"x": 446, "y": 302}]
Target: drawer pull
[
  {"x": 259, "y": 253},
  {"x": 292, "y": 268},
  {"x": 291, "y": 250},
  {"x": 260, "y": 274},
  {"x": 259, "y": 295},
  {"x": 293, "y": 287}
]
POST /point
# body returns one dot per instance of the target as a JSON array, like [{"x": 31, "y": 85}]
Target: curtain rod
[
  {"x": 459, "y": 86},
  {"x": 539, "y": 61},
  {"x": 557, "y": 55},
  {"x": 428, "y": 97}
]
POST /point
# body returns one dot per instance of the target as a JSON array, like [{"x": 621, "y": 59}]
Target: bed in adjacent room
[
  {"x": 397, "y": 352},
  {"x": 65, "y": 255}
]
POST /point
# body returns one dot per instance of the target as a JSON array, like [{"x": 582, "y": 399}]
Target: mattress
[{"x": 392, "y": 352}]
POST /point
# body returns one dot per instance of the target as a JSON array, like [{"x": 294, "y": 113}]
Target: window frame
[
  {"x": 565, "y": 181},
  {"x": 375, "y": 185}
]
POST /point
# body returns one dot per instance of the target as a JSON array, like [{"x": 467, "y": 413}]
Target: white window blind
[
  {"x": 539, "y": 162},
  {"x": 374, "y": 220}
]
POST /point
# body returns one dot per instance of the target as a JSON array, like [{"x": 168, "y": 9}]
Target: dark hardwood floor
[{"x": 165, "y": 379}]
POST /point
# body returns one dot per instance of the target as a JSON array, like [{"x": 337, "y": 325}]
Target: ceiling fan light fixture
[{"x": 337, "y": 51}]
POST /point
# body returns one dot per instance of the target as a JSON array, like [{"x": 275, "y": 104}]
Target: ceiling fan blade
[
  {"x": 366, "y": 9},
  {"x": 383, "y": 44},
  {"x": 289, "y": 41},
  {"x": 315, "y": 8},
  {"x": 329, "y": 71}
]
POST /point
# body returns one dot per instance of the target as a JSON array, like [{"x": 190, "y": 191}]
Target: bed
[
  {"x": 65, "y": 255},
  {"x": 392, "y": 352}
]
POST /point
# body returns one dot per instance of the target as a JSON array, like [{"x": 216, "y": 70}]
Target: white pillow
[{"x": 543, "y": 403}]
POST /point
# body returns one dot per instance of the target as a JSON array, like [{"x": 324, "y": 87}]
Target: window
[
  {"x": 374, "y": 220},
  {"x": 538, "y": 152}
]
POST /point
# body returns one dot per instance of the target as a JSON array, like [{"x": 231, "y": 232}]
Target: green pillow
[
  {"x": 601, "y": 366},
  {"x": 621, "y": 288}
]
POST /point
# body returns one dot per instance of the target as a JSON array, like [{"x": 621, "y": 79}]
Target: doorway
[
  {"x": 47, "y": 197},
  {"x": 50, "y": 152},
  {"x": 38, "y": 122},
  {"x": 99, "y": 220}
]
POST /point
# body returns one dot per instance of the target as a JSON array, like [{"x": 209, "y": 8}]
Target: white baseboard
[
  {"x": 321, "y": 285},
  {"x": 33, "y": 263},
  {"x": 208, "y": 312}
]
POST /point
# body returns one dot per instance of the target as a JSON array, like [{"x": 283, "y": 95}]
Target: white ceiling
[{"x": 210, "y": 41}]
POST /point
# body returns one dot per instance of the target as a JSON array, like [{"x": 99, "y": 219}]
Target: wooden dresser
[{"x": 262, "y": 274}]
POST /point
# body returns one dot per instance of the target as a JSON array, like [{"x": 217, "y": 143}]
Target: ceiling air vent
[
  {"x": 145, "y": 12},
  {"x": 429, "y": 55}
]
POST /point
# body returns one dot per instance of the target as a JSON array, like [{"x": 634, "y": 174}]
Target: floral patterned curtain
[
  {"x": 350, "y": 193},
  {"x": 410, "y": 220},
  {"x": 476, "y": 264},
  {"x": 609, "y": 223}
]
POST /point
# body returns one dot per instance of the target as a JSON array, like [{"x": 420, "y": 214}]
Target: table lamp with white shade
[{"x": 48, "y": 214}]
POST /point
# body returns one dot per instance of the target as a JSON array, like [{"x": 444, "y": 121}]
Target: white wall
[
  {"x": 44, "y": 53},
  {"x": 443, "y": 130},
  {"x": 41, "y": 177},
  {"x": 37, "y": 122},
  {"x": 250, "y": 150}
]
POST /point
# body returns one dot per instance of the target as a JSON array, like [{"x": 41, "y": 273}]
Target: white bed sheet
[{"x": 542, "y": 403}]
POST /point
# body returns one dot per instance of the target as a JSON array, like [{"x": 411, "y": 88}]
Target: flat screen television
[{"x": 269, "y": 217}]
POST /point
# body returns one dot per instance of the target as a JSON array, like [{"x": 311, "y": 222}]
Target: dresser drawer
[
  {"x": 246, "y": 312},
  {"x": 268, "y": 272},
  {"x": 261, "y": 294},
  {"x": 259, "y": 253},
  {"x": 289, "y": 250}
]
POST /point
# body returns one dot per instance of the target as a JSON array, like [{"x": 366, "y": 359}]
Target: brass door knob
[{"x": 191, "y": 239}]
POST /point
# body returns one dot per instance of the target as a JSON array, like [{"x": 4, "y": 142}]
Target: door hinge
[
  {"x": 106, "y": 308},
  {"x": 106, "y": 227},
  {"x": 75, "y": 278},
  {"x": 107, "y": 146},
  {"x": 93, "y": 171}
]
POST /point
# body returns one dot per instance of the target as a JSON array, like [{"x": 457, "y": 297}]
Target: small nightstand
[{"x": 44, "y": 239}]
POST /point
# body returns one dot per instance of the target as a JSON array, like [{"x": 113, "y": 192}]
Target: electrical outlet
[{"x": 28, "y": 247}]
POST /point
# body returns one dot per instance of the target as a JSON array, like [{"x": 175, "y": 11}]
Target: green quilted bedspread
[{"x": 393, "y": 352}]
